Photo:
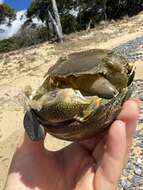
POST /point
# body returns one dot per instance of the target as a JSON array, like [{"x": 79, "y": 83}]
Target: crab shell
[{"x": 72, "y": 72}]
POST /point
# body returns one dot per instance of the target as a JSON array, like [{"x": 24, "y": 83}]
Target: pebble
[
  {"x": 120, "y": 187},
  {"x": 140, "y": 166},
  {"x": 141, "y": 145},
  {"x": 130, "y": 165},
  {"x": 138, "y": 171},
  {"x": 125, "y": 184},
  {"x": 129, "y": 48},
  {"x": 139, "y": 94},
  {"x": 125, "y": 172},
  {"x": 132, "y": 188},
  {"x": 137, "y": 180}
]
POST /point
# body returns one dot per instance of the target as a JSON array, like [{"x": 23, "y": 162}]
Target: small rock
[
  {"x": 138, "y": 171},
  {"x": 137, "y": 180},
  {"x": 141, "y": 145},
  {"x": 125, "y": 184},
  {"x": 130, "y": 167},
  {"x": 132, "y": 188},
  {"x": 125, "y": 172},
  {"x": 139, "y": 161}
]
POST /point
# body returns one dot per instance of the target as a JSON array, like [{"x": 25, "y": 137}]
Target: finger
[
  {"x": 113, "y": 158},
  {"x": 98, "y": 152},
  {"x": 118, "y": 144},
  {"x": 27, "y": 145},
  {"x": 91, "y": 143},
  {"x": 129, "y": 115},
  {"x": 125, "y": 115}
]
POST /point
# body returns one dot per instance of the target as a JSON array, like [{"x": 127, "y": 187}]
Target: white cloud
[
  {"x": 8, "y": 31},
  {"x": 1, "y": 1},
  {"x": 16, "y": 24}
]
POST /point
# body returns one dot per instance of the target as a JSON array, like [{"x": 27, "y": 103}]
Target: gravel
[
  {"x": 132, "y": 175},
  {"x": 130, "y": 49}
]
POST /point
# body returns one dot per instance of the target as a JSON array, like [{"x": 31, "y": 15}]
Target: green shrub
[
  {"x": 8, "y": 45},
  {"x": 24, "y": 39}
]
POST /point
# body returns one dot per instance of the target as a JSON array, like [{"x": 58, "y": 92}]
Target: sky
[
  {"x": 15, "y": 26},
  {"x": 20, "y": 6}
]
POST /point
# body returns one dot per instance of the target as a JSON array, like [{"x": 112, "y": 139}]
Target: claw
[{"x": 32, "y": 126}]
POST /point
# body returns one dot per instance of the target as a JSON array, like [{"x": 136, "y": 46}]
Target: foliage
[
  {"x": 8, "y": 45},
  {"x": 134, "y": 6},
  {"x": 88, "y": 11},
  {"x": 123, "y": 7},
  {"x": 24, "y": 39},
  {"x": 7, "y": 14},
  {"x": 39, "y": 8},
  {"x": 32, "y": 37},
  {"x": 69, "y": 24},
  {"x": 75, "y": 15}
]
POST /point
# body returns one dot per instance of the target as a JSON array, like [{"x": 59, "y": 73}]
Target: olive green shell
[
  {"x": 87, "y": 62},
  {"x": 114, "y": 68}
]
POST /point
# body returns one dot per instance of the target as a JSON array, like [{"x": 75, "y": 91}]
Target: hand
[{"x": 94, "y": 164}]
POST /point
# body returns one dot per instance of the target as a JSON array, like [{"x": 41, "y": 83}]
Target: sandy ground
[{"x": 27, "y": 66}]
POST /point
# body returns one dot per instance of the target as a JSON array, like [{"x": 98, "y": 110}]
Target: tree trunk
[
  {"x": 104, "y": 9},
  {"x": 56, "y": 28},
  {"x": 56, "y": 21}
]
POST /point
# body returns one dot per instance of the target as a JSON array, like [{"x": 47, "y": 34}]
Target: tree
[
  {"x": 78, "y": 15},
  {"x": 57, "y": 19},
  {"x": 7, "y": 14},
  {"x": 47, "y": 11},
  {"x": 104, "y": 9},
  {"x": 134, "y": 6}
]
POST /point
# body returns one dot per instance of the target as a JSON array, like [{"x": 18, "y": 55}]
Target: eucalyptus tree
[
  {"x": 7, "y": 14},
  {"x": 75, "y": 15},
  {"x": 47, "y": 12}
]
